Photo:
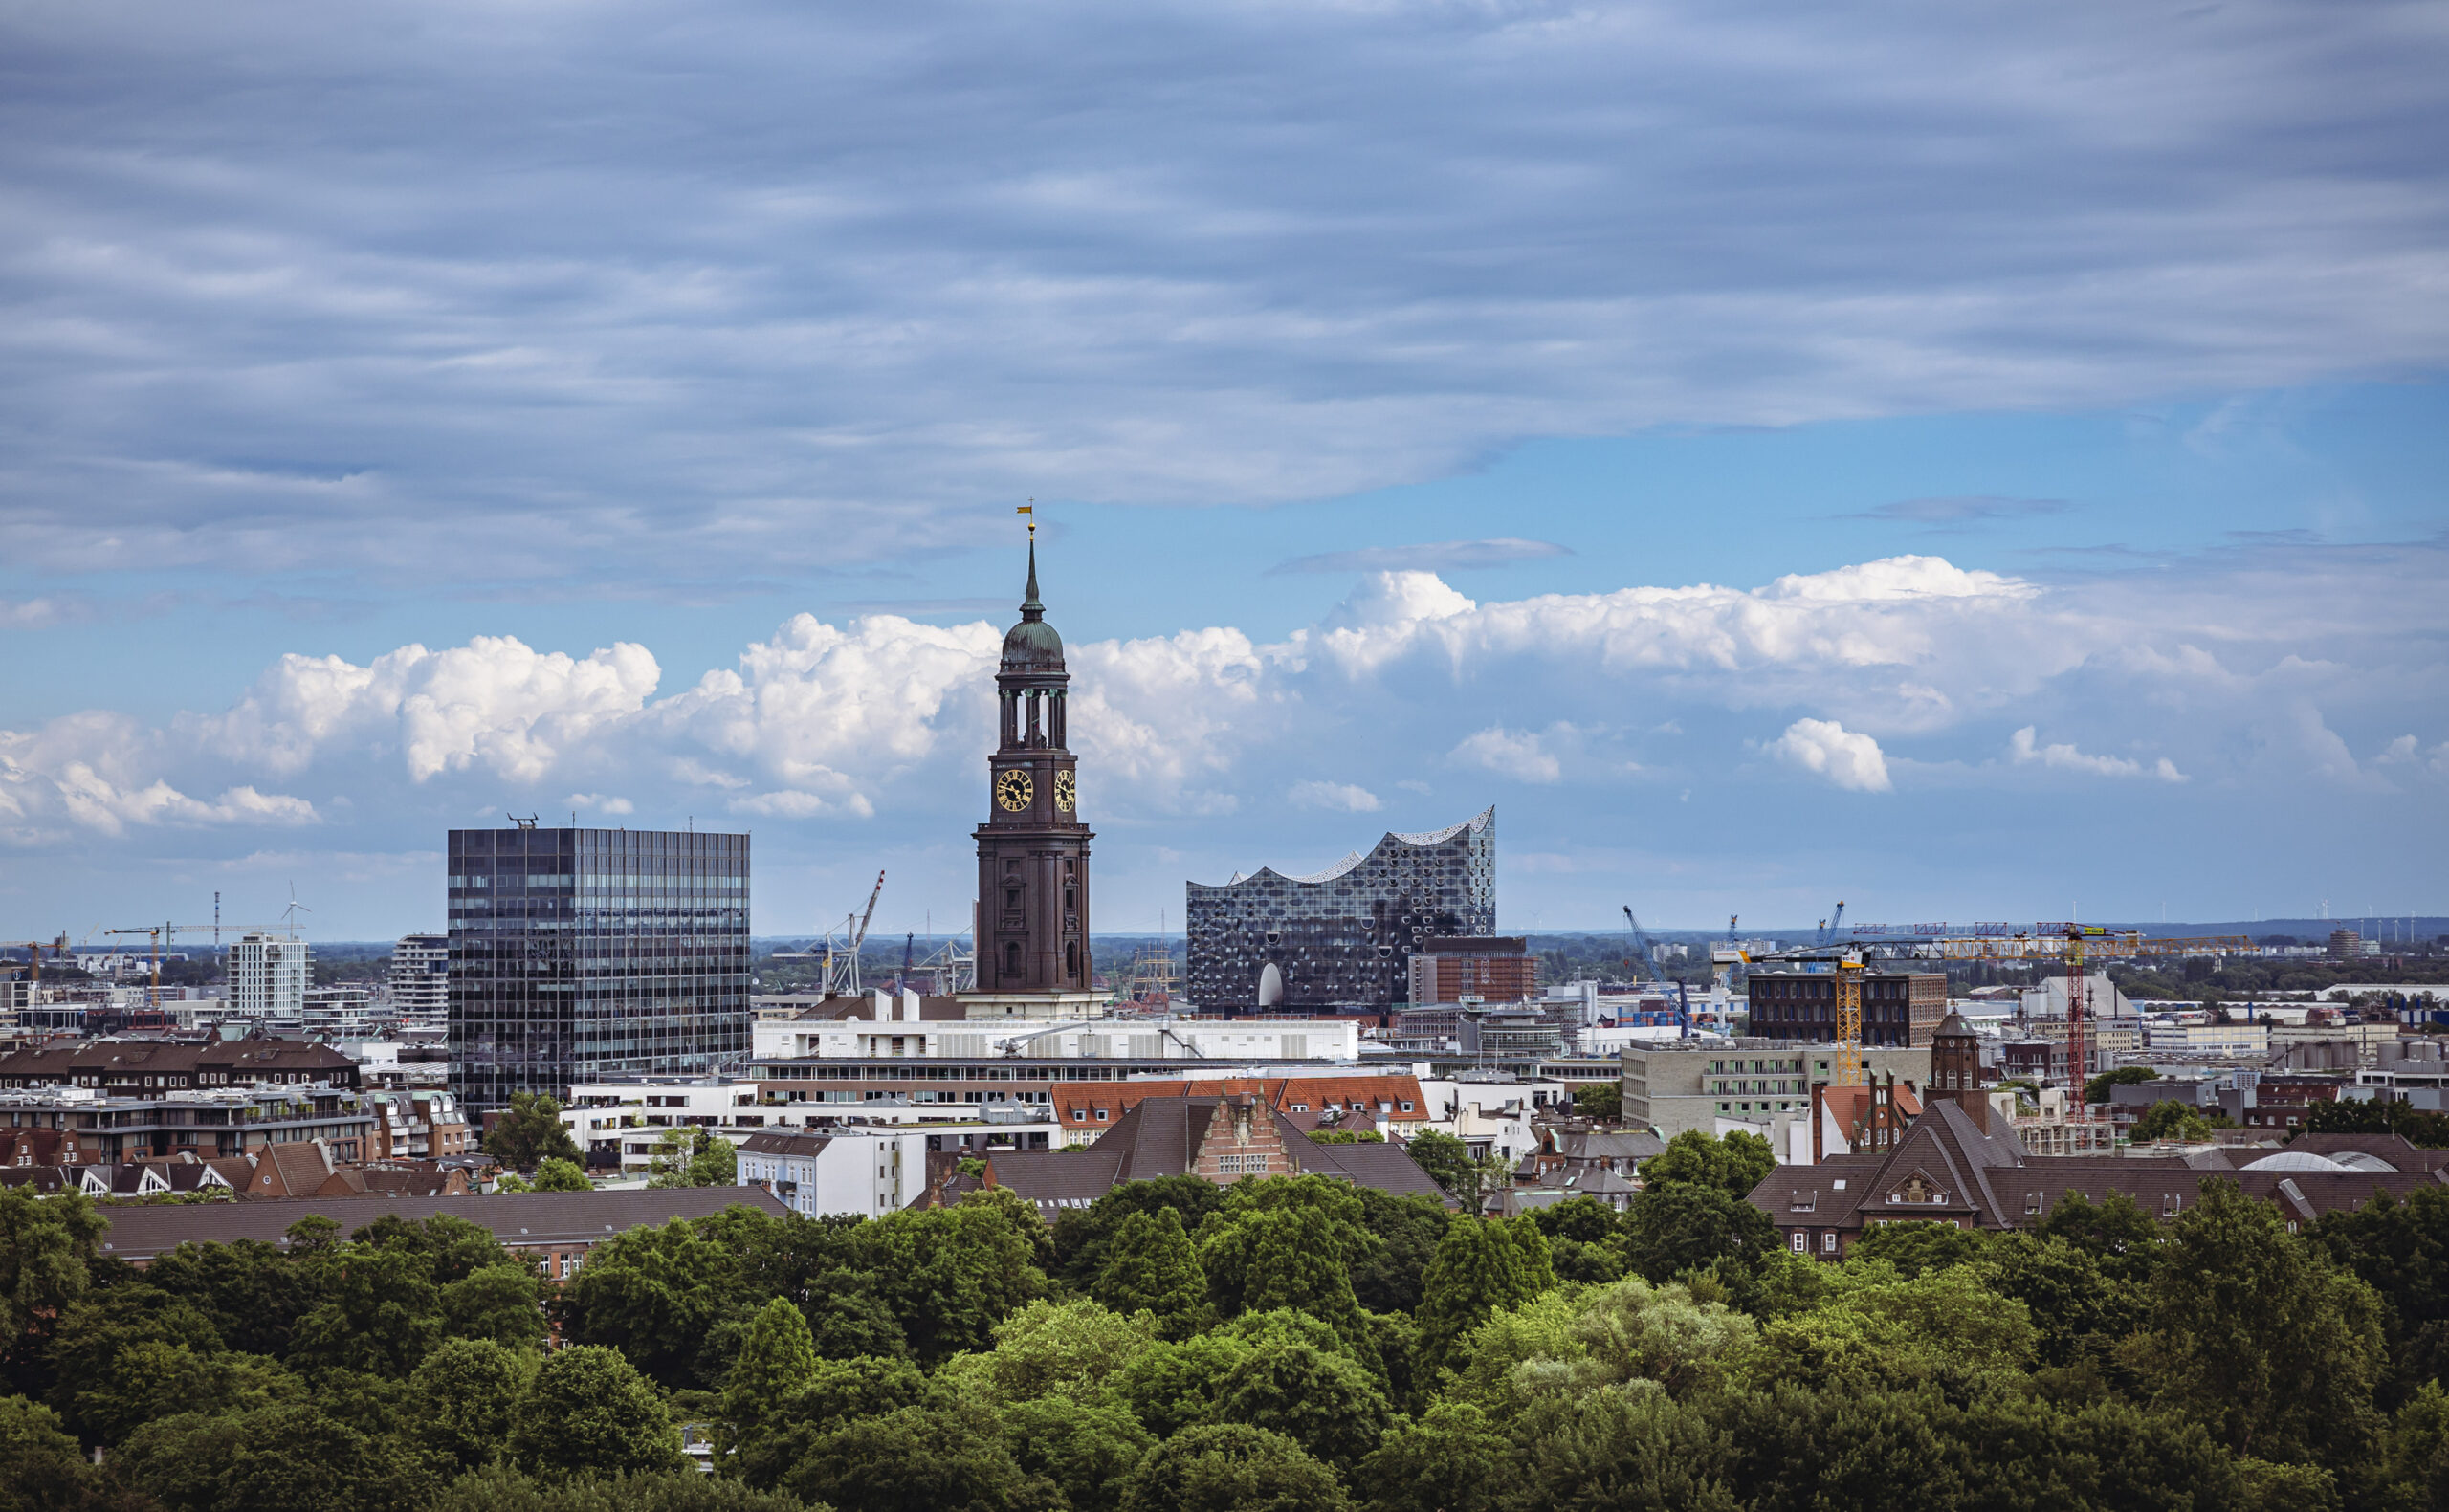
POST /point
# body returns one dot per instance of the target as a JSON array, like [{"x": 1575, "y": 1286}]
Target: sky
[{"x": 1972, "y": 461}]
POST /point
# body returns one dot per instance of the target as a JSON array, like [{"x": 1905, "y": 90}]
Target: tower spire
[{"x": 1030, "y": 608}]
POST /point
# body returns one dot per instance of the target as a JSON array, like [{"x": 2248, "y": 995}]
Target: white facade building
[
  {"x": 895, "y": 1031},
  {"x": 269, "y": 975},
  {"x": 860, "y": 1172},
  {"x": 2161, "y": 1038},
  {"x": 420, "y": 978}
]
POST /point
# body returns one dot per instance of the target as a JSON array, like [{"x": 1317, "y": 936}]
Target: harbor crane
[
  {"x": 1643, "y": 968},
  {"x": 1828, "y": 926},
  {"x": 842, "y": 953}
]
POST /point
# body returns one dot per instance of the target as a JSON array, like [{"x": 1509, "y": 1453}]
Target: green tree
[
  {"x": 1405, "y": 1231},
  {"x": 1635, "y": 1331},
  {"x": 919, "y": 1459},
  {"x": 464, "y": 1399},
  {"x": 693, "y": 1157},
  {"x": 502, "y": 1302},
  {"x": 553, "y": 1174},
  {"x": 1151, "y": 1266},
  {"x": 2248, "y": 1326},
  {"x": 90, "y": 1364},
  {"x": 1323, "y": 1401},
  {"x": 1682, "y": 1226},
  {"x": 1452, "y": 1459},
  {"x": 774, "y": 1364},
  {"x": 1448, "y": 1163},
  {"x": 1913, "y": 1248},
  {"x": 1291, "y": 1242},
  {"x": 655, "y": 1293},
  {"x": 588, "y": 1409},
  {"x": 530, "y": 1131},
  {"x": 1231, "y": 1467},
  {"x": 2400, "y": 1250},
  {"x": 2097, "y": 1090},
  {"x": 949, "y": 1274},
  {"x": 1169, "y": 1387},
  {"x": 2171, "y": 1119},
  {"x": 1733, "y": 1164},
  {"x": 380, "y": 1310},
  {"x": 2081, "y": 1306},
  {"x": 1479, "y": 1271},
  {"x": 253, "y": 1294},
  {"x": 1067, "y": 1349},
  {"x": 40, "y": 1467},
  {"x": 2127, "y": 1241},
  {"x": 1082, "y": 1235},
  {"x": 1628, "y": 1445},
  {"x": 1088, "y": 1451},
  {"x": 1600, "y": 1099},
  {"x": 282, "y": 1459},
  {"x": 1583, "y": 1239},
  {"x": 46, "y": 1247},
  {"x": 499, "y": 1488}
]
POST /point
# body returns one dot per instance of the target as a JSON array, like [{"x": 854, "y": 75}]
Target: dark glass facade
[
  {"x": 582, "y": 953},
  {"x": 1342, "y": 938}
]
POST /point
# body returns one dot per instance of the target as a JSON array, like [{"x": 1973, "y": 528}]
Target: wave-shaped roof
[{"x": 1353, "y": 858}]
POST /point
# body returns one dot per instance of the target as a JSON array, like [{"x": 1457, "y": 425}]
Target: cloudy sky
[{"x": 1976, "y": 461}]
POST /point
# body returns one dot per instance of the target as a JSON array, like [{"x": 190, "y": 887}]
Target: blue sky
[{"x": 1969, "y": 462}]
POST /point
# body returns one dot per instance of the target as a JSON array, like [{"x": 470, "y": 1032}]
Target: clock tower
[{"x": 1033, "y": 850}]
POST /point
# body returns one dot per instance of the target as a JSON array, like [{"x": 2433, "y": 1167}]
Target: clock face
[
  {"x": 1012, "y": 789},
  {"x": 1067, "y": 791}
]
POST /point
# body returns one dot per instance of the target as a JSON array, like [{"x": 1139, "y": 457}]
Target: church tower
[{"x": 1032, "y": 936}]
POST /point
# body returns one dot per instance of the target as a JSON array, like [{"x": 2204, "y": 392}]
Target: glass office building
[
  {"x": 1344, "y": 937},
  {"x": 578, "y": 954}
]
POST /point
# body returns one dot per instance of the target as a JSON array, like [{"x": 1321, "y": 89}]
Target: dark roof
[
  {"x": 2395, "y": 1148},
  {"x": 1159, "y": 1136},
  {"x": 529, "y": 1219},
  {"x": 786, "y": 1141},
  {"x": 1593, "y": 1143},
  {"x": 139, "y": 1057}
]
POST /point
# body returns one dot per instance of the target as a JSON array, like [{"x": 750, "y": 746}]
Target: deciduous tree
[
  {"x": 588, "y": 1410},
  {"x": 530, "y": 1131},
  {"x": 1151, "y": 1266}
]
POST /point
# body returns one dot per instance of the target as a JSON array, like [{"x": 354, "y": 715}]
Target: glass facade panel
[
  {"x": 578, "y": 954},
  {"x": 1345, "y": 937}
]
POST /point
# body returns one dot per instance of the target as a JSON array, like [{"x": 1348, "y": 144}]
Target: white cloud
[
  {"x": 600, "y": 804},
  {"x": 2397, "y": 752},
  {"x": 1846, "y": 757},
  {"x": 1340, "y": 796},
  {"x": 2023, "y": 750},
  {"x": 1524, "y": 756}
]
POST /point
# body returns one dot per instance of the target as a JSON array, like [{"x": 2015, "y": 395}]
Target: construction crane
[
  {"x": 2070, "y": 944},
  {"x": 165, "y": 932},
  {"x": 1642, "y": 969},
  {"x": 33, "y": 949},
  {"x": 908, "y": 948},
  {"x": 1828, "y": 926},
  {"x": 841, "y": 955}
]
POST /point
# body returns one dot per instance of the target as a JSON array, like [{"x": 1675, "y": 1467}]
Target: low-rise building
[
  {"x": 1220, "y": 1139},
  {"x": 1386, "y": 1104},
  {"x": 1899, "y": 1008},
  {"x": 417, "y": 1126},
  {"x": 824, "y": 1173},
  {"x": 208, "y": 1124},
  {"x": 151, "y": 1067},
  {"x": 2241, "y": 1040},
  {"x": 1675, "y": 1086}
]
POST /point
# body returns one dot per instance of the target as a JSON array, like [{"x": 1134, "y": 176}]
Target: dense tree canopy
[
  {"x": 530, "y": 1132},
  {"x": 1284, "y": 1343}
]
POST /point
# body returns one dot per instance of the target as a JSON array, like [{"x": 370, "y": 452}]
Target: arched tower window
[{"x": 1012, "y": 958}]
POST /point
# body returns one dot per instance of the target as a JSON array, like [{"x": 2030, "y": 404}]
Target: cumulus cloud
[
  {"x": 598, "y": 802},
  {"x": 1846, "y": 758},
  {"x": 826, "y": 281},
  {"x": 1340, "y": 796},
  {"x": 1523, "y": 757},
  {"x": 2023, "y": 750}
]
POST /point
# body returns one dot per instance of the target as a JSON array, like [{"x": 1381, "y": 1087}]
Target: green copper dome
[{"x": 1032, "y": 645}]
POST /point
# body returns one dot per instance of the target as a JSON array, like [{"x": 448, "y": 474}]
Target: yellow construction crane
[
  {"x": 33, "y": 949},
  {"x": 2071, "y": 944},
  {"x": 158, "y": 932}
]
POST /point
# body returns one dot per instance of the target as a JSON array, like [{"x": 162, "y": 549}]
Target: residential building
[
  {"x": 829, "y": 1172},
  {"x": 990, "y": 1081},
  {"x": 142, "y": 1068},
  {"x": 207, "y": 1123},
  {"x": 269, "y": 975},
  {"x": 1345, "y": 937},
  {"x": 557, "y": 1229},
  {"x": 2414, "y": 1072},
  {"x": 339, "y": 1012},
  {"x": 420, "y": 978},
  {"x": 1958, "y": 1166},
  {"x": 1679, "y": 1085},
  {"x": 1221, "y": 1139},
  {"x": 1494, "y": 969},
  {"x": 417, "y": 1126},
  {"x": 1899, "y": 1008},
  {"x": 582, "y": 953},
  {"x": 896, "y": 1029},
  {"x": 1384, "y": 1104},
  {"x": 1579, "y": 1149}
]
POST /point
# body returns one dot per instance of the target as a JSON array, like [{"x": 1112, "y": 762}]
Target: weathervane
[{"x": 1030, "y": 510}]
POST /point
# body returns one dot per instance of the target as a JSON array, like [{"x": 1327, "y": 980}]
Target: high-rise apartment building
[
  {"x": 269, "y": 975},
  {"x": 1344, "y": 937},
  {"x": 578, "y": 954},
  {"x": 1498, "y": 969},
  {"x": 420, "y": 978}
]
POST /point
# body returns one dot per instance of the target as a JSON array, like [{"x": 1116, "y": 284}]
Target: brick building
[
  {"x": 1387, "y": 1104},
  {"x": 156, "y": 1068},
  {"x": 1899, "y": 1008},
  {"x": 1493, "y": 968}
]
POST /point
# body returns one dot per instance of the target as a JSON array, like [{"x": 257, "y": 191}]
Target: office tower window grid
[{"x": 582, "y": 953}]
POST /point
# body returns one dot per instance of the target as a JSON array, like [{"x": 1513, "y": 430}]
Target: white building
[
  {"x": 337, "y": 1012},
  {"x": 893, "y": 1030},
  {"x": 420, "y": 978},
  {"x": 269, "y": 975},
  {"x": 2164, "y": 1037},
  {"x": 863, "y": 1172},
  {"x": 2047, "y": 998}
]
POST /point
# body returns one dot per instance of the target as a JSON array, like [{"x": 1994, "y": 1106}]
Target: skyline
[{"x": 1966, "y": 468}]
